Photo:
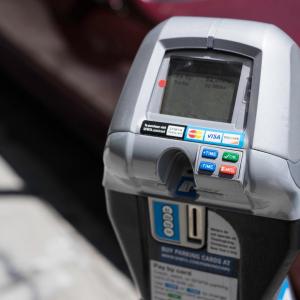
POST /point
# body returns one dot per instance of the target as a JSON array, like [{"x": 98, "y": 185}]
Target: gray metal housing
[{"x": 269, "y": 179}]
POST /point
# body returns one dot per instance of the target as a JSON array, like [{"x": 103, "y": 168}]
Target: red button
[{"x": 228, "y": 170}]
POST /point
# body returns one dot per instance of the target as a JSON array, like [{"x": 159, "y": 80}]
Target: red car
[{"x": 99, "y": 29}]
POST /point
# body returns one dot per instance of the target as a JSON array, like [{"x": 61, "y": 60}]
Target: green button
[{"x": 231, "y": 156}]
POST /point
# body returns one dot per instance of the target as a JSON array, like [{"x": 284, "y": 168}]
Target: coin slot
[{"x": 194, "y": 213}]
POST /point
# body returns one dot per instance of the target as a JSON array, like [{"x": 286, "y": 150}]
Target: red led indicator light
[{"x": 162, "y": 83}]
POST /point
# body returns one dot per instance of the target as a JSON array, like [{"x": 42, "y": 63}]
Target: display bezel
[{"x": 239, "y": 115}]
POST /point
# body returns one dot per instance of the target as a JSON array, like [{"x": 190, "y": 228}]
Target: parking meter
[{"x": 202, "y": 161}]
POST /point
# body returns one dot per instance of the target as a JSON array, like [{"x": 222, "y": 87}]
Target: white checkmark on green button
[{"x": 231, "y": 156}]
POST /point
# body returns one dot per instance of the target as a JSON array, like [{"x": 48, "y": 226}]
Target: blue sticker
[
  {"x": 186, "y": 187},
  {"x": 193, "y": 291},
  {"x": 214, "y": 137},
  {"x": 166, "y": 221},
  {"x": 172, "y": 286},
  {"x": 284, "y": 290}
]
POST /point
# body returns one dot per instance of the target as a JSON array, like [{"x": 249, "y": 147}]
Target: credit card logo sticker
[
  {"x": 213, "y": 137},
  {"x": 231, "y": 139},
  {"x": 195, "y": 134},
  {"x": 175, "y": 131}
]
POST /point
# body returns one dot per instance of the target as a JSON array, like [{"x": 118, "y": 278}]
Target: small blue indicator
[
  {"x": 206, "y": 166},
  {"x": 172, "y": 286},
  {"x": 193, "y": 291},
  {"x": 210, "y": 153}
]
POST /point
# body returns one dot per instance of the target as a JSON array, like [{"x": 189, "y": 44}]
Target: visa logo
[{"x": 213, "y": 137}]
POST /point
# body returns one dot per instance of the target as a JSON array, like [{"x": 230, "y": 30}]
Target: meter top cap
[{"x": 210, "y": 113}]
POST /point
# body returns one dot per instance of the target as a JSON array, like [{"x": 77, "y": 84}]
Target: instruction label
[
  {"x": 163, "y": 130},
  {"x": 200, "y": 260},
  {"x": 170, "y": 282},
  {"x": 208, "y": 273},
  {"x": 221, "y": 237}
]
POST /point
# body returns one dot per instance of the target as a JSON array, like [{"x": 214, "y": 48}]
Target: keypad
[{"x": 219, "y": 162}]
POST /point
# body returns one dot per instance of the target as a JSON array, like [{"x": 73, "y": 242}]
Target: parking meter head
[{"x": 202, "y": 160}]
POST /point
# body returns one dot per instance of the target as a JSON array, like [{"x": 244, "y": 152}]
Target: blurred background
[{"x": 62, "y": 67}]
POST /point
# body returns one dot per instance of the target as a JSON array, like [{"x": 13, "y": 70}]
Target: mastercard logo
[{"x": 196, "y": 134}]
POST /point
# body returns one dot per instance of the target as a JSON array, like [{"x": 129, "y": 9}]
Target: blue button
[
  {"x": 210, "y": 153},
  {"x": 207, "y": 166}
]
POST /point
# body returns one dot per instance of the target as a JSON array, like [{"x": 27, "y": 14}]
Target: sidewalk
[
  {"x": 50, "y": 179},
  {"x": 43, "y": 257}
]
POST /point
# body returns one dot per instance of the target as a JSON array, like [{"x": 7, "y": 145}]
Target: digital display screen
[{"x": 201, "y": 88}]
